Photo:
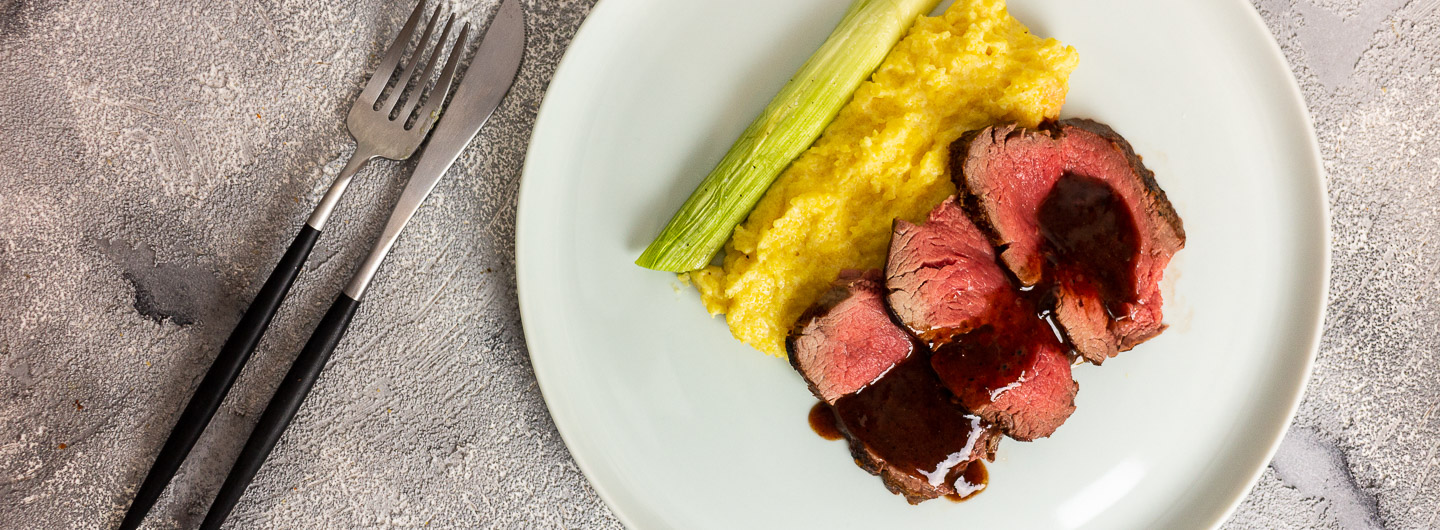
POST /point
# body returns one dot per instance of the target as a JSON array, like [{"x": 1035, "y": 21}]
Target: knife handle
[
  {"x": 282, "y": 408},
  {"x": 221, "y": 375}
]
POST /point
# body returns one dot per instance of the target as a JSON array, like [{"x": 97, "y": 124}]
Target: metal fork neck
[{"x": 322, "y": 211}]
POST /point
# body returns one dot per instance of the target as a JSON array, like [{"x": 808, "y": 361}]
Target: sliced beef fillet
[
  {"x": 900, "y": 421},
  {"x": 847, "y": 339},
  {"x": 991, "y": 349},
  {"x": 1013, "y": 372},
  {"x": 942, "y": 276},
  {"x": 1071, "y": 205}
]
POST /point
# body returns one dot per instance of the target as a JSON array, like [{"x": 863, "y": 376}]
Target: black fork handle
[
  {"x": 220, "y": 376},
  {"x": 282, "y": 407}
]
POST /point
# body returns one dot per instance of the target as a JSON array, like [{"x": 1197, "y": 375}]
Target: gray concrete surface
[{"x": 156, "y": 156}]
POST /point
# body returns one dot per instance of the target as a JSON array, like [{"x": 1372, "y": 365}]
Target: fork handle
[
  {"x": 282, "y": 408},
  {"x": 220, "y": 376}
]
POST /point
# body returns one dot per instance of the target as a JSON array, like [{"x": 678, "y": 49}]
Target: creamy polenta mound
[{"x": 885, "y": 156}]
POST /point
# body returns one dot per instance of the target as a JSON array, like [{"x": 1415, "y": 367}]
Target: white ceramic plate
[{"x": 677, "y": 425}]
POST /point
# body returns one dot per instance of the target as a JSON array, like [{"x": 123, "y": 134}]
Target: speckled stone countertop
[{"x": 144, "y": 144}]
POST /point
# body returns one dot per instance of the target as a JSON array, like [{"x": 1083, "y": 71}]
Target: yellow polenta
[{"x": 885, "y": 156}]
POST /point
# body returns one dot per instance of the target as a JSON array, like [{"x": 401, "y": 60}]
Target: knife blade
[{"x": 485, "y": 84}]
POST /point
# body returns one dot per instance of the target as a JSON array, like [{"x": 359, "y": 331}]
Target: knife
[{"x": 490, "y": 75}]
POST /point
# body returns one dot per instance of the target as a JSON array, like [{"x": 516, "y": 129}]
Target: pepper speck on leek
[{"x": 788, "y": 125}]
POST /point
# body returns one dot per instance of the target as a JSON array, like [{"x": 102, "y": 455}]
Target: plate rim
[
  {"x": 1274, "y": 54},
  {"x": 1317, "y": 324}
]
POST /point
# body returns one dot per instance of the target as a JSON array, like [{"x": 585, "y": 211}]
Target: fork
[{"x": 382, "y": 127}]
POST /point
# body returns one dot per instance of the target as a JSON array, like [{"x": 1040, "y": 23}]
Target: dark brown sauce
[
  {"x": 911, "y": 421},
  {"x": 1093, "y": 239},
  {"x": 982, "y": 365},
  {"x": 973, "y": 481},
  {"x": 822, "y": 421}
]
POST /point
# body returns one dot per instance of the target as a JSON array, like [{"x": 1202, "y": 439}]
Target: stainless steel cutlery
[{"x": 385, "y": 123}]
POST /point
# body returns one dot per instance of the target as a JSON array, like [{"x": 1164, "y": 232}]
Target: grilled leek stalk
[{"x": 788, "y": 125}]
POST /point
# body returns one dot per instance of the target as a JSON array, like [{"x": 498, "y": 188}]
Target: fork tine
[
  {"x": 422, "y": 80},
  {"x": 419, "y": 53},
  {"x": 381, "y": 77},
  {"x": 442, "y": 85}
]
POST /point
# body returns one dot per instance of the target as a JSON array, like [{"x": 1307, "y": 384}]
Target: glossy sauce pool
[
  {"x": 1092, "y": 238},
  {"x": 973, "y": 481},
  {"x": 908, "y": 419},
  {"x": 822, "y": 421}
]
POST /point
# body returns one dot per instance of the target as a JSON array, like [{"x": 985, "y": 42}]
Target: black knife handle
[
  {"x": 220, "y": 376},
  {"x": 282, "y": 408}
]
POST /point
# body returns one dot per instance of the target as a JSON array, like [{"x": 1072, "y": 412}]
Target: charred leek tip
[{"x": 788, "y": 125}]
